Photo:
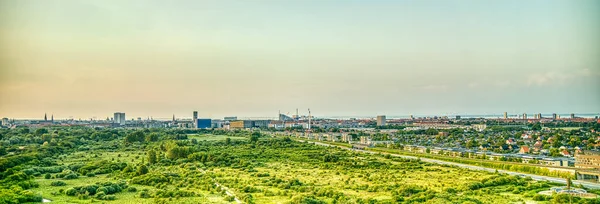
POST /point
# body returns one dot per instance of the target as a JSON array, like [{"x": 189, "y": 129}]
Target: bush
[
  {"x": 131, "y": 189},
  {"x": 144, "y": 194},
  {"x": 58, "y": 183},
  {"x": 71, "y": 192},
  {"x": 47, "y": 176},
  {"x": 71, "y": 176},
  {"x": 539, "y": 197}
]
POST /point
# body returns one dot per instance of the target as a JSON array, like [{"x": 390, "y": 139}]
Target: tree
[
  {"x": 254, "y": 137},
  {"x": 536, "y": 127},
  {"x": 142, "y": 170},
  {"x": 228, "y": 141},
  {"x": 152, "y": 157},
  {"x": 41, "y": 131}
]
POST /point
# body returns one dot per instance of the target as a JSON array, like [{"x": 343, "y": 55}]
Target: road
[{"x": 472, "y": 167}]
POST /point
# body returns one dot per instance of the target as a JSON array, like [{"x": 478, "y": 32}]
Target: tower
[
  {"x": 505, "y": 115},
  {"x": 195, "y": 119},
  {"x": 52, "y": 118},
  {"x": 309, "y": 119},
  {"x": 173, "y": 117},
  {"x": 45, "y": 117}
]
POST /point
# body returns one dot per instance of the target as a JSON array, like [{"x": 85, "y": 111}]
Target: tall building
[
  {"x": 505, "y": 115},
  {"x": 119, "y": 118},
  {"x": 572, "y": 115},
  {"x": 524, "y": 116},
  {"x": 380, "y": 120},
  {"x": 554, "y": 116},
  {"x": 45, "y": 117},
  {"x": 52, "y": 118},
  {"x": 539, "y": 116},
  {"x": 195, "y": 118},
  {"x": 5, "y": 122},
  {"x": 458, "y": 117}
]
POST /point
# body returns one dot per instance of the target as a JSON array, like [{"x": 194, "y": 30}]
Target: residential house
[
  {"x": 538, "y": 146},
  {"x": 565, "y": 153},
  {"x": 511, "y": 141},
  {"x": 524, "y": 150}
]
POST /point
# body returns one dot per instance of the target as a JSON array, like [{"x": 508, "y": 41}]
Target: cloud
[
  {"x": 473, "y": 85},
  {"x": 555, "y": 77},
  {"x": 434, "y": 87}
]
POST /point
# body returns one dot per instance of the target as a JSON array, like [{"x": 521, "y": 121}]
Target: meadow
[{"x": 154, "y": 166}]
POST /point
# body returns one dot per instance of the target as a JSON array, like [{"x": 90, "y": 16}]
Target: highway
[{"x": 472, "y": 167}]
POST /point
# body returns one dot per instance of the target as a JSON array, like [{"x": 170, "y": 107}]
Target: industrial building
[
  {"x": 240, "y": 124},
  {"x": 203, "y": 123}
]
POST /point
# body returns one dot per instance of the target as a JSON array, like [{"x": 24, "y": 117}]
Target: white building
[{"x": 119, "y": 118}]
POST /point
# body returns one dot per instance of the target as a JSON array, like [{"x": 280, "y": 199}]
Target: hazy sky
[{"x": 253, "y": 58}]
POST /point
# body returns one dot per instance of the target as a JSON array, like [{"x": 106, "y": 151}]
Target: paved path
[
  {"x": 229, "y": 193},
  {"x": 473, "y": 167}
]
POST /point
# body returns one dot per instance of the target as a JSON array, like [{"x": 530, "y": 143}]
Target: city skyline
[{"x": 91, "y": 58}]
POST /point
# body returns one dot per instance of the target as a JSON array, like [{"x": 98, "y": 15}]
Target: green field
[{"x": 153, "y": 167}]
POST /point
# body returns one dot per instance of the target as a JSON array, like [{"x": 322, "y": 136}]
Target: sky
[{"x": 84, "y": 59}]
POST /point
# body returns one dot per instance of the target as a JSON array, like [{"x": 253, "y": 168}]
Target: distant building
[
  {"x": 261, "y": 123},
  {"x": 230, "y": 118},
  {"x": 5, "y": 122},
  {"x": 240, "y": 124},
  {"x": 119, "y": 118},
  {"x": 381, "y": 120},
  {"x": 203, "y": 123},
  {"x": 45, "y": 117},
  {"x": 249, "y": 124},
  {"x": 572, "y": 115},
  {"x": 539, "y": 116},
  {"x": 505, "y": 115},
  {"x": 283, "y": 117},
  {"x": 195, "y": 118},
  {"x": 458, "y": 117},
  {"x": 524, "y": 116},
  {"x": 479, "y": 127},
  {"x": 588, "y": 159},
  {"x": 554, "y": 116}
]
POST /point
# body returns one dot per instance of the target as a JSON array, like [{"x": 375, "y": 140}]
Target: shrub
[
  {"x": 131, "y": 189},
  {"x": 47, "y": 176},
  {"x": 58, "y": 183},
  {"x": 71, "y": 176},
  {"x": 539, "y": 197},
  {"x": 71, "y": 192}
]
